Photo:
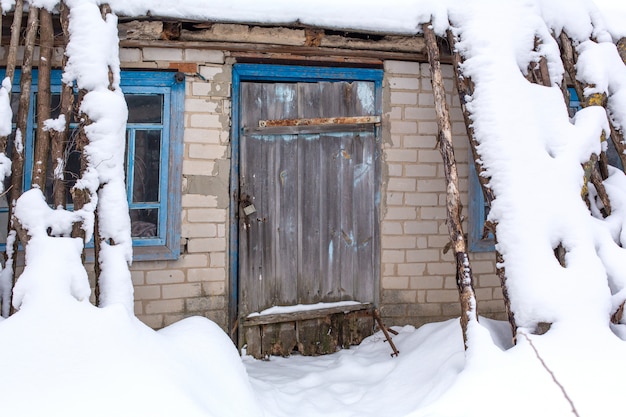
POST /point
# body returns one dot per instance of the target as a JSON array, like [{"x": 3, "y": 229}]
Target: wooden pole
[
  {"x": 16, "y": 27},
  {"x": 42, "y": 143},
  {"x": 538, "y": 71},
  {"x": 24, "y": 104},
  {"x": 621, "y": 49},
  {"x": 17, "y": 169},
  {"x": 465, "y": 88},
  {"x": 59, "y": 139},
  {"x": 453, "y": 200}
]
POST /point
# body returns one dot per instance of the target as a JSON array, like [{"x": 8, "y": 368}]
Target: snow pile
[{"x": 67, "y": 357}]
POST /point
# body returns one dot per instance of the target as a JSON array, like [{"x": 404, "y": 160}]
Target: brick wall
[
  {"x": 418, "y": 279},
  {"x": 195, "y": 284}
]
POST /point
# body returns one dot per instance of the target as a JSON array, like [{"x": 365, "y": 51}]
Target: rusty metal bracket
[{"x": 320, "y": 121}]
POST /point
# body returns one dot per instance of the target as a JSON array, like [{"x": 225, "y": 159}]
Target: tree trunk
[
  {"x": 42, "y": 144},
  {"x": 453, "y": 202},
  {"x": 16, "y": 26},
  {"x": 621, "y": 49},
  {"x": 465, "y": 87},
  {"x": 17, "y": 169},
  {"x": 24, "y": 104},
  {"x": 538, "y": 71},
  {"x": 81, "y": 196},
  {"x": 59, "y": 138}
]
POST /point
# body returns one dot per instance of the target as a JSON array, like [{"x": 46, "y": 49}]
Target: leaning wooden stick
[{"x": 386, "y": 333}]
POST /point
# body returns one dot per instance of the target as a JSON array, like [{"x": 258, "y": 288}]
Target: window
[
  {"x": 479, "y": 240},
  {"x": 153, "y": 158}
]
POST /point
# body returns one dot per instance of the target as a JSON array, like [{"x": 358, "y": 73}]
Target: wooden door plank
[
  {"x": 286, "y": 236},
  {"x": 364, "y": 98},
  {"x": 347, "y": 246},
  {"x": 249, "y": 288},
  {"x": 330, "y": 218},
  {"x": 310, "y": 202},
  {"x": 364, "y": 208},
  {"x": 280, "y": 288}
]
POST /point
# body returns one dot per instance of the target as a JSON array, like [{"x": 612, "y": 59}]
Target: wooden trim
[
  {"x": 303, "y": 315},
  {"x": 305, "y": 51}
]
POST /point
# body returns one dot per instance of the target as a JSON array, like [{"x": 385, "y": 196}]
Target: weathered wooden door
[{"x": 307, "y": 195}]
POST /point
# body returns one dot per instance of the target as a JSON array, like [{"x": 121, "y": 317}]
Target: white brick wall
[
  {"x": 418, "y": 279},
  {"x": 196, "y": 283}
]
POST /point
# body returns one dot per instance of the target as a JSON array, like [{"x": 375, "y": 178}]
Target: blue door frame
[{"x": 273, "y": 73}]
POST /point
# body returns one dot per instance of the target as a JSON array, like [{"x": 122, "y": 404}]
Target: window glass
[
  {"x": 144, "y": 222},
  {"x": 146, "y": 166},
  {"x": 145, "y": 108}
]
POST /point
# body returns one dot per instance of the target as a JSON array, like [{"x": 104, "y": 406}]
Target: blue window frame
[
  {"x": 479, "y": 240},
  {"x": 153, "y": 158}
]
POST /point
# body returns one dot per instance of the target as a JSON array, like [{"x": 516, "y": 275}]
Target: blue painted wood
[
  {"x": 291, "y": 73},
  {"x": 476, "y": 214}
]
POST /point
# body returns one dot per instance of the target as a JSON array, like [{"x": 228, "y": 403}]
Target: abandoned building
[{"x": 287, "y": 165}]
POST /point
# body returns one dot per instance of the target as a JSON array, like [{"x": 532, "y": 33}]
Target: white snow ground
[{"x": 68, "y": 358}]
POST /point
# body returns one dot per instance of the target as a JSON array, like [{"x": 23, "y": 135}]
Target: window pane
[
  {"x": 146, "y": 166},
  {"x": 144, "y": 223},
  {"x": 145, "y": 108},
  {"x": 55, "y": 107}
]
